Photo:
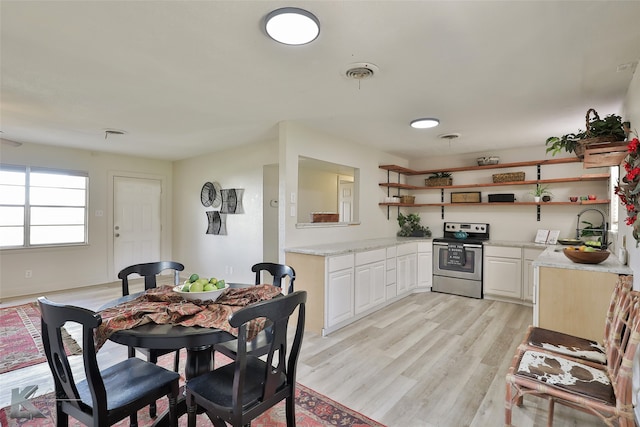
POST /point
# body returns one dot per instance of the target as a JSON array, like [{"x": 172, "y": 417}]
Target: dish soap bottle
[{"x": 622, "y": 251}]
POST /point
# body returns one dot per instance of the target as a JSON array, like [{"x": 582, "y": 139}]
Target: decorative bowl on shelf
[
  {"x": 583, "y": 257},
  {"x": 202, "y": 296},
  {"x": 491, "y": 160}
]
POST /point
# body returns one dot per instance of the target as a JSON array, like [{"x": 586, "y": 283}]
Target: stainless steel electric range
[{"x": 457, "y": 259}]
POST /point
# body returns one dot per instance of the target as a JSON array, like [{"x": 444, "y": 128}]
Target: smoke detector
[{"x": 361, "y": 71}]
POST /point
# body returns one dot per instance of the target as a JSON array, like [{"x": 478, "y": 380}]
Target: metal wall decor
[
  {"x": 229, "y": 201},
  {"x": 217, "y": 223}
]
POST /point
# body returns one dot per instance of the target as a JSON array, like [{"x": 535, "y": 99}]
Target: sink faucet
[{"x": 603, "y": 228}]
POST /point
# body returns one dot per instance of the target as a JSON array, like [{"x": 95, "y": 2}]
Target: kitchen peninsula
[
  {"x": 574, "y": 298},
  {"x": 349, "y": 280}
]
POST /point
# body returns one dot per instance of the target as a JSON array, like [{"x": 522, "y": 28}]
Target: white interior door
[
  {"x": 136, "y": 221},
  {"x": 345, "y": 201}
]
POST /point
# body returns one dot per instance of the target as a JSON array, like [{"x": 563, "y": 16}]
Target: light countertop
[
  {"x": 553, "y": 257},
  {"x": 330, "y": 249}
]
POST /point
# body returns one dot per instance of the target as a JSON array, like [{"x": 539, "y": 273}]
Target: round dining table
[{"x": 197, "y": 340}]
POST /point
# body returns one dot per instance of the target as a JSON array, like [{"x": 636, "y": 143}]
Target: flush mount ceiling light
[
  {"x": 292, "y": 26},
  {"x": 425, "y": 123}
]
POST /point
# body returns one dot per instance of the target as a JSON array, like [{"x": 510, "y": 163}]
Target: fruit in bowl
[
  {"x": 586, "y": 254},
  {"x": 200, "y": 288}
]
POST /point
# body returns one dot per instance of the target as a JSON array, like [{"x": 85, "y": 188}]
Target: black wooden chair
[
  {"x": 149, "y": 271},
  {"x": 104, "y": 397},
  {"x": 278, "y": 271},
  {"x": 240, "y": 391},
  {"x": 259, "y": 345}
]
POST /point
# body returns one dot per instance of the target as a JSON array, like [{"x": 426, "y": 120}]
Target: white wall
[
  {"x": 231, "y": 256},
  {"x": 77, "y": 266},
  {"x": 296, "y": 140}
]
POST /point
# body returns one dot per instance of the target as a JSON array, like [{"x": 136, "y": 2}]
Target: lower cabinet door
[
  {"x": 503, "y": 277},
  {"x": 339, "y": 296},
  {"x": 370, "y": 286}
]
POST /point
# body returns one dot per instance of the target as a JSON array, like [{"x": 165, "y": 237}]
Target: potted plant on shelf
[
  {"x": 540, "y": 191},
  {"x": 410, "y": 226},
  {"x": 598, "y": 131}
]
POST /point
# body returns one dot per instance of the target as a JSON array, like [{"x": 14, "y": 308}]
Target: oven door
[{"x": 443, "y": 265}]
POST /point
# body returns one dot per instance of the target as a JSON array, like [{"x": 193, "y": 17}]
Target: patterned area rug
[
  {"x": 21, "y": 340},
  {"x": 312, "y": 410}
]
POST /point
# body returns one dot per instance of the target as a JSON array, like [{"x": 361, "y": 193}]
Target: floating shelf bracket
[{"x": 538, "y": 213}]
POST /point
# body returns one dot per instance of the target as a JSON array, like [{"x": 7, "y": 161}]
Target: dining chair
[
  {"x": 240, "y": 391},
  {"x": 583, "y": 348},
  {"x": 150, "y": 271},
  {"x": 278, "y": 271},
  {"x": 106, "y": 396},
  {"x": 259, "y": 345},
  {"x": 601, "y": 390}
]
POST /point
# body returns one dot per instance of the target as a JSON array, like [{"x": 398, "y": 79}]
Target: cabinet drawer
[
  {"x": 391, "y": 263},
  {"x": 407, "y": 248},
  {"x": 503, "y": 251},
  {"x": 425, "y": 247},
  {"x": 370, "y": 256},
  {"x": 340, "y": 262},
  {"x": 391, "y": 277},
  {"x": 391, "y": 252},
  {"x": 532, "y": 254}
]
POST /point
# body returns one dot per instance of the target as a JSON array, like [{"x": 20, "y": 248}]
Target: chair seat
[
  {"x": 256, "y": 347},
  {"x": 128, "y": 381},
  {"x": 569, "y": 345},
  {"x": 565, "y": 374},
  {"x": 221, "y": 394}
]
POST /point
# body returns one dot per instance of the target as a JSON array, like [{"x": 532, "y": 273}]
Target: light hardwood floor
[{"x": 427, "y": 360}]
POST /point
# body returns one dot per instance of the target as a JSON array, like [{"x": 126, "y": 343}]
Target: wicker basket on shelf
[
  {"x": 438, "y": 182},
  {"x": 508, "y": 177},
  {"x": 593, "y": 141},
  {"x": 409, "y": 200}
]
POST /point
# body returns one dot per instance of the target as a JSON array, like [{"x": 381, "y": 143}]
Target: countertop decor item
[
  {"x": 583, "y": 257},
  {"x": 598, "y": 131},
  {"x": 202, "y": 296},
  {"x": 410, "y": 226},
  {"x": 626, "y": 189},
  {"x": 491, "y": 160}
]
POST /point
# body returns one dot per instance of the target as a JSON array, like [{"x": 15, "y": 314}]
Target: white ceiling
[{"x": 184, "y": 78}]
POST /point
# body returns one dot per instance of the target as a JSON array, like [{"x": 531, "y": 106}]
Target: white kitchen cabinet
[
  {"x": 508, "y": 272},
  {"x": 528, "y": 286},
  {"x": 407, "y": 262},
  {"x": 425, "y": 266},
  {"x": 370, "y": 283},
  {"x": 503, "y": 271},
  {"x": 340, "y": 289}
]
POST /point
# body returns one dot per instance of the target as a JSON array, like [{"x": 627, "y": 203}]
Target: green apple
[
  {"x": 196, "y": 287},
  {"x": 185, "y": 287},
  {"x": 213, "y": 280},
  {"x": 220, "y": 284},
  {"x": 202, "y": 281},
  {"x": 590, "y": 249},
  {"x": 193, "y": 278},
  {"x": 209, "y": 287}
]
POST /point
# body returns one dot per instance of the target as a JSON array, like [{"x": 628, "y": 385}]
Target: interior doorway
[{"x": 137, "y": 222}]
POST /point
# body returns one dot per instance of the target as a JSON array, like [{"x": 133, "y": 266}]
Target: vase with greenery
[
  {"x": 609, "y": 129},
  {"x": 410, "y": 226}
]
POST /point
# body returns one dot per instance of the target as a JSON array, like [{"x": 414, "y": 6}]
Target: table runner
[{"x": 163, "y": 306}]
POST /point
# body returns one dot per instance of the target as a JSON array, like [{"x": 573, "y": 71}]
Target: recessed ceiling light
[
  {"x": 425, "y": 123},
  {"x": 292, "y": 26}
]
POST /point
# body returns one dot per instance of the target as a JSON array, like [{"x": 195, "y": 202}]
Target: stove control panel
[{"x": 471, "y": 228}]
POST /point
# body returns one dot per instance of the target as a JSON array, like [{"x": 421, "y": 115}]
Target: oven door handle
[{"x": 466, "y": 245}]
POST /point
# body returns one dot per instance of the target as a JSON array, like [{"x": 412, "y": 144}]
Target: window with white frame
[{"x": 42, "y": 207}]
